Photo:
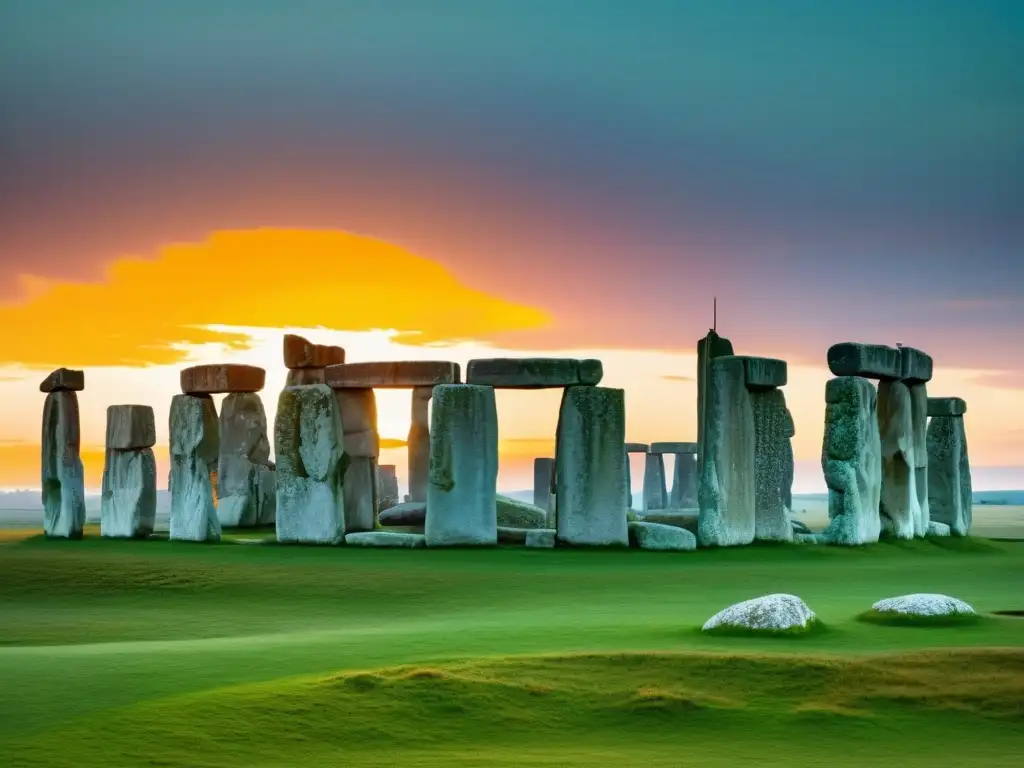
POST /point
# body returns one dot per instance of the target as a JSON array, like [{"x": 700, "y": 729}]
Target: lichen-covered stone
[
  {"x": 788, "y": 472},
  {"x": 949, "y": 480},
  {"x": 851, "y": 460},
  {"x": 870, "y": 361},
  {"x": 406, "y": 514},
  {"x": 946, "y": 406},
  {"x": 533, "y": 372},
  {"x": 308, "y": 443},
  {"x": 899, "y": 501},
  {"x": 924, "y": 604},
  {"x": 673, "y": 447},
  {"x": 771, "y": 514},
  {"x": 461, "y": 507},
  {"x": 244, "y": 453},
  {"x": 540, "y": 538},
  {"x": 386, "y": 539},
  {"x": 915, "y": 366},
  {"x": 655, "y": 536},
  {"x": 771, "y": 613},
  {"x": 63, "y": 476},
  {"x": 266, "y": 499},
  {"x": 397, "y": 375},
  {"x": 513, "y": 513},
  {"x": 63, "y": 380},
  {"x": 727, "y": 483},
  {"x": 387, "y": 487},
  {"x": 655, "y": 495},
  {"x": 543, "y": 472},
  {"x": 302, "y": 353},
  {"x": 919, "y": 423},
  {"x": 360, "y": 484},
  {"x": 222, "y": 379},
  {"x": 761, "y": 373},
  {"x": 588, "y": 467},
  {"x": 684, "y": 482},
  {"x": 195, "y": 444},
  {"x": 419, "y": 444},
  {"x": 128, "y": 500}
]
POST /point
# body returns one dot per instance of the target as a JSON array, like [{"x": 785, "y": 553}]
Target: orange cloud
[{"x": 147, "y": 311}]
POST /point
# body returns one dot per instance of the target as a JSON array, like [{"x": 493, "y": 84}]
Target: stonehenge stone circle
[
  {"x": 655, "y": 495},
  {"x": 588, "y": 467},
  {"x": 243, "y": 462},
  {"x": 63, "y": 476},
  {"x": 683, "y": 494},
  {"x": 308, "y": 443},
  {"x": 195, "y": 445},
  {"x": 128, "y": 491},
  {"x": 949, "y": 470},
  {"x": 461, "y": 505},
  {"x": 533, "y": 373},
  {"x": 543, "y": 474},
  {"x": 222, "y": 379}
]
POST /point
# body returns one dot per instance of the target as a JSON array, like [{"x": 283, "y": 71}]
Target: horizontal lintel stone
[
  {"x": 393, "y": 375},
  {"x": 533, "y": 372},
  {"x": 870, "y": 361},
  {"x": 915, "y": 365},
  {"x": 637, "y": 448},
  {"x": 762, "y": 372},
  {"x": 946, "y": 406},
  {"x": 302, "y": 353},
  {"x": 673, "y": 447},
  {"x": 220, "y": 379},
  {"x": 63, "y": 380}
]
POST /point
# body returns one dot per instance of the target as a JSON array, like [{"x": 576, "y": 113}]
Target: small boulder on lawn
[
  {"x": 771, "y": 614},
  {"x": 655, "y": 536}
]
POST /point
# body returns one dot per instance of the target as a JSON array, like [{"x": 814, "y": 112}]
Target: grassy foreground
[{"x": 150, "y": 653}]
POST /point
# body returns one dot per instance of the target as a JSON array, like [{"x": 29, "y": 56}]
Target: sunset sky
[{"x": 446, "y": 179}]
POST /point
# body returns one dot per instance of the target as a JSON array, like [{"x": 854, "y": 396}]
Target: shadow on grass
[
  {"x": 814, "y": 628},
  {"x": 893, "y": 619}
]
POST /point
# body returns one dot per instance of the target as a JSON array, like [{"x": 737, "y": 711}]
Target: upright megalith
[
  {"x": 309, "y": 448},
  {"x": 63, "y": 475},
  {"x": 128, "y": 492},
  {"x": 243, "y": 461},
  {"x": 358, "y": 409},
  {"x": 919, "y": 435},
  {"x": 627, "y": 472},
  {"x": 788, "y": 462},
  {"x": 949, "y": 469},
  {"x": 419, "y": 443},
  {"x": 683, "y": 494},
  {"x": 461, "y": 505},
  {"x": 387, "y": 487},
  {"x": 708, "y": 348},
  {"x": 655, "y": 495},
  {"x": 543, "y": 472},
  {"x": 773, "y": 478},
  {"x": 195, "y": 445},
  {"x": 900, "y": 507},
  {"x": 851, "y": 459},
  {"x": 589, "y": 472},
  {"x": 307, "y": 362}
]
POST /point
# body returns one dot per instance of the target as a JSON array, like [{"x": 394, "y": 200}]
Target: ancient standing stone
[
  {"x": 130, "y": 427},
  {"x": 128, "y": 491},
  {"x": 771, "y": 514},
  {"x": 461, "y": 506},
  {"x": 788, "y": 463},
  {"x": 949, "y": 474},
  {"x": 302, "y": 354},
  {"x": 919, "y": 422},
  {"x": 243, "y": 459},
  {"x": 358, "y": 409},
  {"x": 308, "y": 444},
  {"x": 195, "y": 444},
  {"x": 543, "y": 469},
  {"x": 851, "y": 460},
  {"x": 655, "y": 496},
  {"x": 899, "y": 506},
  {"x": 708, "y": 348},
  {"x": 684, "y": 482},
  {"x": 419, "y": 443},
  {"x": 588, "y": 467},
  {"x": 387, "y": 487},
  {"x": 727, "y": 481},
  {"x": 360, "y": 494},
  {"x": 63, "y": 476},
  {"x": 266, "y": 501}
]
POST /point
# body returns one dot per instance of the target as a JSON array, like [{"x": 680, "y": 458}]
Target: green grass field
[{"x": 120, "y": 653}]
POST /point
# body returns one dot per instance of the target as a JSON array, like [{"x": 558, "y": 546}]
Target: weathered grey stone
[
  {"x": 871, "y": 361},
  {"x": 508, "y": 535},
  {"x": 655, "y": 495},
  {"x": 419, "y": 444},
  {"x": 919, "y": 422},
  {"x": 358, "y": 408},
  {"x": 513, "y": 513},
  {"x": 195, "y": 445},
  {"x": 924, "y": 604},
  {"x": 387, "y": 487},
  {"x": 396, "y": 375},
  {"x": 266, "y": 499},
  {"x": 128, "y": 500},
  {"x": 800, "y": 527},
  {"x": 543, "y": 471},
  {"x": 771, "y": 514},
  {"x": 360, "y": 490},
  {"x": 949, "y": 484},
  {"x": 673, "y": 448},
  {"x": 408, "y": 513},
  {"x": 654, "y": 536},
  {"x": 543, "y": 538},
  {"x": 303, "y": 377},
  {"x": 461, "y": 507},
  {"x": 244, "y": 453},
  {"x": 915, "y": 366},
  {"x": 708, "y": 348},
  {"x": 63, "y": 476},
  {"x": 364, "y": 444},
  {"x": 533, "y": 372},
  {"x": 790, "y": 426},
  {"x": 946, "y": 406},
  {"x": 788, "y": 471},
  {"x": 386, "y": 539},
  {"x": 130, "y": 427},
  {"x": 680, "y": 518},
  {"x": 311, "y": 465},
  {"x": 221, "y": 379},
  {"x": 771, "y": 613},
  {"x": 684, "y": 482},
  {"x": 938, "y": 529},
  {"x": 899, "y": 480},
  {"x": 301, "y": 353},
  {"x": 63, "y": 380},
  {"x": 588, "y": 467},
  {"x": 764, "y": 372},
  {"x": 851, "y": 460},
  {"x": 727, "y": 484}
]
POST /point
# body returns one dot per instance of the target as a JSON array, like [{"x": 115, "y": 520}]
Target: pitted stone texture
[
  {"x": 360, "y": 487},
  {"x": 543, "y": 538},
  {"x": 407, "y": 514},
  {"x": 673, "y": 447},
  {"x": 919, "y": 421},
  {"x": 946, "y": 406},
  {"x": 513, "y": 513},
  {"x": 396, "y": 375},
  {"x": 655, "y": 495},
  {"x": 386, "y": 539},
  {"x": 63, "y": 380},
  {"x": 543, "y": 472},
  {"x": 303, "y": 377},
  {"x": 302, "y": 353},
  {"x": 870, "y": 361},
  {"x": 461, "y": 506},
  {"x": 130, "y": 427},
  {"x": 899, "y": 480},
  {"x": 684, "y": 482},
  {"x": 772, "y": 613},
  {"x": 727, "y": 484},
  {"x": 915, "y": 366},
  {"x": 387, "y": 486},
  {"x": 852, "y": 461},
  {"x": 195, "y": 444},
  {"x": 533, "y": 372},
  {"x": 128, "y": 501},
  {"x": 419, "y": 444},
  {"x": 588, "y": 467},
  {"x": 938, "y": 529},
  {"x": 771, "y": 514},
  {"x": 63, "y": 476},
  {"x": 764, "y": 372},
  {"x": 266, "y": 500},
  {"x": 638, "y": 448},
  {"x": 924, "y": 604},
  {"x": 708, "y": 348},
  {"x": 949, "y": 474},
  {"x": 655, "y": 536},
  {"x": 222, "y": 379},
  {"x": 310, "y": 466},
  {"x": 244, "y": 454}
]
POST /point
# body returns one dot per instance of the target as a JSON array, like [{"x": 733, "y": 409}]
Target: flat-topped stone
[
  {"x": 130, "y": 427},
  {"x": 764, "y": 372},
  {"x": 302, "y": 353},
  {"x": 386, "y": 539},
  {"x": 408, "y": 513},
  {"x": 673, "y": 447},
  {"x": 915, "y": 365},
  {"x": 533, "y": 372},
  {"x": 395, "y": 375},
  {"x": 655, "y": 536},
  {"x": 946, "y": 406},
  {"x": 222, "y": 379},
  {"x": 63, "y": 380},
  {"x": 869, "y": 361},
  {"x": 637, "y": 448}
]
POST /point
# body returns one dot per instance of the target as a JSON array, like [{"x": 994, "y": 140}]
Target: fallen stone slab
[
  {"x": 688, "y": 519},
  {"x": 222, "y": 379},
  {"x": 195, "y": 445},
  {"x": 764, "y": 372},
  {"x": 543, "y": 538},
  {"x": 654, "y": 536},
  {"x": 637, "y": 447},
  {"x": 510, "y": 535},
  {"x": 513, "y": 513},
  {"x": 130, "y": 427},
  {"x": 870, "y": 361},
  {"x": 673, "y": 447},
  {"x": 302, "y": 353},
  {"x": 533, "y": 372},
  {"x": 924, "y": 604},
  {"x": 946, "y": 406},
  {"x": 128, "y": 494},
  {"x": 407, "y": 513},
  {"x": 915, "y": 366},
  {"x": 395, "y": 375},
  {"x": 63, "y": 476},
  {"x": 386, "y": 539},
  {"x": 63, "y": 380},
  {"x": 938, "y": 529},
  {"x": 771, "y": 613}
]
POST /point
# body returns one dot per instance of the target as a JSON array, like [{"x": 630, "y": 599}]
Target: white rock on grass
[
  {"x": 655, "y": 536},
  {"x": 924, "y": 604},
  {"x": 771, "y": 613},
  {"x": 385, "y": 539},
  {"x": 938, "y": 529}
]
